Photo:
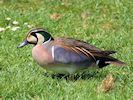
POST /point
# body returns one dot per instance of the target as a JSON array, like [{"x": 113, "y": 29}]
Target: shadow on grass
[{"x": 79, "y": 76}]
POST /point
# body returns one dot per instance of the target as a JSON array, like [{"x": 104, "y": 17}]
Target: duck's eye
[{"x": 34, "y": 34}]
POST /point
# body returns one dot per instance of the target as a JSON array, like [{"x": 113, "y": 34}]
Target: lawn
[{"x": 107, "y": 24}]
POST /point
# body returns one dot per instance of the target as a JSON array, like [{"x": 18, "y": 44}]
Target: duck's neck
[
  {"x": 48, "y": 41},
  {"x": 47, "y": 44}
]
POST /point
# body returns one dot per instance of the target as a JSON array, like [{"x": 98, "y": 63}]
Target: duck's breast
[{"x": 42, "y": 55}]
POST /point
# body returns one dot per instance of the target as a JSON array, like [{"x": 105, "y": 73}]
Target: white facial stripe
[
  {"x": 97, "y": 62},
  {"x": 40, "y": 38},
  {"x": 53, "y": 52}
]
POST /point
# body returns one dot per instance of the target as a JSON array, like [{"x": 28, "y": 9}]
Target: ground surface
[{"x": 107, "y": 24}]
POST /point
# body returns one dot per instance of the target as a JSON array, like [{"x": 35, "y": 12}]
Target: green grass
[{"x": 107, "y": 24}]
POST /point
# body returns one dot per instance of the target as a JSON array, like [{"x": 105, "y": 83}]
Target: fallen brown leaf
[
  {"x": 36, "y": 98},
  {"x": 107, "y": 83},
  {"x": 55, "y": 16},
  {"x": 107, "y": 26},
  {"x": 85, "y": 14}
]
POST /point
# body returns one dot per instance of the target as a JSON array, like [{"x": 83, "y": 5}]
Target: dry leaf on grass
[
  {"x": 85, "y": 14},
  {"x": 107, "y": 83},
  {"x": 55, "y": 16},
  {"x": 107, "y": 26},
  {"x": 36, "y": 98}
]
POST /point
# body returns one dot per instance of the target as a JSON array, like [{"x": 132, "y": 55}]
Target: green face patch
[{"x": 46, "y": 35}]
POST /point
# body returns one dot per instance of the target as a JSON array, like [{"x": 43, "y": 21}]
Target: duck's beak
[{"x": 24, "y": 43}]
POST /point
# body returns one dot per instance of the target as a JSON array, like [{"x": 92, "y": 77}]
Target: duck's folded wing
[
  {"x": 100, "y": 57},
  {"x": 72, "y": 55}
]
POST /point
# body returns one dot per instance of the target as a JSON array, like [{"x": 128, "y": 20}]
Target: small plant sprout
[
  {"x": 8, "y": 18},
  {"x": 15, "y": 22},
  {"x": 15, "y": 28},
  {"x": 2, "y": 29}
]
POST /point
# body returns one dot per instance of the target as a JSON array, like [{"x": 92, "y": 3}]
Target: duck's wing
[
  {"x": 73, "y": 55},
  {"x": 72, "y": 47},
  {"x": 78, "y": 43}
]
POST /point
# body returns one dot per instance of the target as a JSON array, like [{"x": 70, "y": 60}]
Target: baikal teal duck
[{"x": 66, "y": 55}]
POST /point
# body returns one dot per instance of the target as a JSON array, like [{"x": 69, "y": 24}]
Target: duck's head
[{"x": 36, "y": 36}]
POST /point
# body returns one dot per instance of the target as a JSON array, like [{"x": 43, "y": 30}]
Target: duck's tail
[
  {"x": 110, "y": 60},
  {"x": 107, "y": 59}
]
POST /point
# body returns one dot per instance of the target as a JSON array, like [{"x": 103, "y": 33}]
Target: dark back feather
[{"x": 77, "y": 43}]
